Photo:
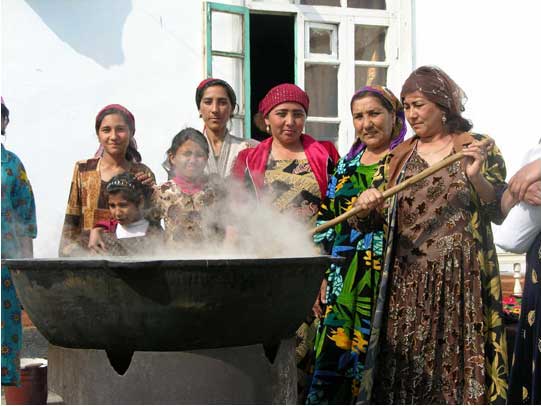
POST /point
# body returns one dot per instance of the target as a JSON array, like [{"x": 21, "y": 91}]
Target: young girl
[
  {"x": 87, "y": 204},
  {"x": 192, "y": 203},
  {"x": 126, "y": 198}
]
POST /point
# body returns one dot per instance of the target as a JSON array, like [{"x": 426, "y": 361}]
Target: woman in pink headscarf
[
  {"x": 87, "y": 205},
  {"x": 291, "y": 166}
]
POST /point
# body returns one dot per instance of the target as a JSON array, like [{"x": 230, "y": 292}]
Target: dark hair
[
  {"x": 188, "y": 133},
  {"x": 131, "y": 153},
  {"x": 367, "y": 93},
  {"x": 128, "y": 185},
  {"x": 5, "y": 111},
  {"x": 216, "y": 82}
]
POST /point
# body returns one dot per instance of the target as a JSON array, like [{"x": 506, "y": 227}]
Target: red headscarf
[{"x": 286, "y": 92}]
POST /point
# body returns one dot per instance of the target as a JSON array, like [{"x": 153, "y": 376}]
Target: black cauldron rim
[{"x": 72, "y": 263}]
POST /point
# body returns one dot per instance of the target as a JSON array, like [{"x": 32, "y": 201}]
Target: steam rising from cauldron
[{"x": 261, "y": 231}]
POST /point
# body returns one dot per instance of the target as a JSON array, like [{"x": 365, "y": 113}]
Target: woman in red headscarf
[
  {"x": 87, "y": 205},
  {"x": 291, "y": 166}
]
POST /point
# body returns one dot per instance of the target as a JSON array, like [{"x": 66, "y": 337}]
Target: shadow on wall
[{"x": 92, "y": 28}]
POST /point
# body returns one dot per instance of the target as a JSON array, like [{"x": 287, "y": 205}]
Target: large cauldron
[{"x": 167, "y": 305}]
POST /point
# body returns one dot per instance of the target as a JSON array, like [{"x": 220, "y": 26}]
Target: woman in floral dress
[
  {"x": 437, "y": 334},
  {"x": 349, "y": 289},
  {"x": 18, "y": 230}
]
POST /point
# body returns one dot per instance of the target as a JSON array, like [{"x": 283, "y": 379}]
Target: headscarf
[
  {"x": 437, "y": 87},
  {"x": 286, "y": 92},
  {"x": 206, "y": 83},
  {"x": 399, "y": 126},
  {"x": 131, "y": 124}
]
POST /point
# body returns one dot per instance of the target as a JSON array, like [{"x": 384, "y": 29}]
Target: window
[
  {"x": 335, "y": 47},
  {"x": 321, "y": 67},
  {"x": 228, "y": 57}
]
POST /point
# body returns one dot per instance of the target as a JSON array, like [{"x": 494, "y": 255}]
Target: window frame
[{"x": 244, "y": 112}]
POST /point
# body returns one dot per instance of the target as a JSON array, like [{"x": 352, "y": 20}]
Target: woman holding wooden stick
[
  {"x": 380, "y": 125},
  {"x": 437, "y": 335}
]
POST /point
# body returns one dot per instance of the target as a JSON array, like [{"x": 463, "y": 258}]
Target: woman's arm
[{"x": 521, "y": 181}]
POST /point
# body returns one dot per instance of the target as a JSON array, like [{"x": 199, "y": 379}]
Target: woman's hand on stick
[{"x": 369, "y": 200}]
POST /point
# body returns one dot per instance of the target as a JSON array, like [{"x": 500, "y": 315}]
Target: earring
[
  {"x": 268, "y": 129},
  {"x": 443, "y": 119}
]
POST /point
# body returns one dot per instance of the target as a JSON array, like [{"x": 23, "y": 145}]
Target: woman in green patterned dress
[
  {"x": 349, "y": 290},
  {"x": 437, "y": 333}
]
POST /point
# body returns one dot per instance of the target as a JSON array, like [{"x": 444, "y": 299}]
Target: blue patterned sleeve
[{"x": 24, "y": 204}]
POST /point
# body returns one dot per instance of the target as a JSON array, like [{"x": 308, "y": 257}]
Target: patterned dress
[
  {"x": 87, "y": 205},
  {"x": 293, "y": 188},
  {"x": 190, "y": 218},
  {"x": 18, "y": 220},
  {"x": 525, "y": 378},
  {"x": 437, "y": 333},
  {"x": 342, "y": 338}
]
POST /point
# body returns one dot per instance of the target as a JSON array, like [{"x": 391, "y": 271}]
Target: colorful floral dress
[
  {"x": 340, "y": 346},
  {"x": 190, "y": 218},
  {"x": 437, "y": 333},
  {"x": 18, "y": 220},
  {"x": 525, "y": 378}
]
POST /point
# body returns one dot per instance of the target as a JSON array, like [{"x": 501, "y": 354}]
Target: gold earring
[
  {"x": 268, "y": 129},
  {"x": 443, "y": 119}
]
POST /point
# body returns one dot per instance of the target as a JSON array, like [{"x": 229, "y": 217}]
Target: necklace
[{"x": 433, "y": 152}]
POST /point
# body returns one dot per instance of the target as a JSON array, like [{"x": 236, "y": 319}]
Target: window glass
[
  {"x": 373, "y": 4},
  {"x": 320, "y": 41},
  {"x": 230, "y": 70},
  {"x": 323, "y": 131},
  {"x": 370, "y": 43},
  {"x": 370, "y": 75},
  {"x": 321, "y": 84},
  {"x": 226, "y": 36}
]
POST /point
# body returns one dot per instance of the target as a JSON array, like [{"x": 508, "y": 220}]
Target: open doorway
[{"x": 272, "y": 57}]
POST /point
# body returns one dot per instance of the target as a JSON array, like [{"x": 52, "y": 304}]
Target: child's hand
[
  {"x": 95, "y": 242},
  {"x": 145, "y": 179}
]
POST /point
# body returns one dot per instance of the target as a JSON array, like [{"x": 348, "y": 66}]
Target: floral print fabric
[
  {"x": 477, "y": 230},
  {"x": 342, "y": 338},
  {"x": 18, "y": 220},
  {"x": 525, "y": 378},
  {"x": 190, "y": 218}
]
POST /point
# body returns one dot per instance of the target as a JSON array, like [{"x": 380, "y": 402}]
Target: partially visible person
[
  {"x": 18, "y": 230},
  {"x": 216, "y": 101},
  {"x": 290, "y": 167},
  {"x": 349, "y": 290},
  {"x": 521, "y": 233},
  {"x": 437, "y": 332},
  {"x": 192, "y": 204},
  {"x": 87, "y": 203},
  {"x": 127, "y": 200}
]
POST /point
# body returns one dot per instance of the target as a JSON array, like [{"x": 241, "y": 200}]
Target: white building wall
[{"x": 63, "y": 60}]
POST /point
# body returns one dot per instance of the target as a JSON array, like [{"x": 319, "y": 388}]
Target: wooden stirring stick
[{"x": 397, "y": 188}]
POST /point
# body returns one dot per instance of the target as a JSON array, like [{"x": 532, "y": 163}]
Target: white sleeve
[
  {"x": 519, "y": 229},
  {"x": 523, "y": 222}
]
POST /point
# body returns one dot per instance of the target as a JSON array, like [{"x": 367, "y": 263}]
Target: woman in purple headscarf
[{"x": 349, "y": 289}]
